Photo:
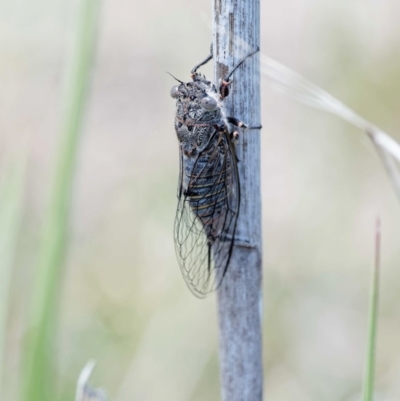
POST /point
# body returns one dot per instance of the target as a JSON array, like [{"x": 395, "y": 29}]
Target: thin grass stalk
[
  {"x": 390, "y": 165},
  {"x": 11, "y": 196},
  {"x": 369, "y": 373},
  {"x": 300, "y": 89},
  {"x": 39, "y": 362}
]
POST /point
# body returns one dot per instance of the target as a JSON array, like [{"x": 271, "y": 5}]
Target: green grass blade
[
  {"x": 373, "y": 322},
  {"x": 39, "y": 363},
  {"x": 11, "y": 196}
]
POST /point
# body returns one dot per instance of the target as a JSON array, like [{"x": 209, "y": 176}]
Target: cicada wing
[{"x": 206, "y": 216}]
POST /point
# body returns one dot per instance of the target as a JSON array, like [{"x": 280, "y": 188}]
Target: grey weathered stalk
[{"x": 237, "y": 33}]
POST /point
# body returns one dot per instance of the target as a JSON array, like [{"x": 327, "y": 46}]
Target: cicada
[{"x": 209, "y": 186}]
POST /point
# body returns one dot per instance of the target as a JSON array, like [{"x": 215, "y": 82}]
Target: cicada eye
[
  {"x": 208, "y": 103},
  {"x": 174, "y": 91}
]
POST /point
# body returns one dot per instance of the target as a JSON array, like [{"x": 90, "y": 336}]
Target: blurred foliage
[
  {"x": 11, "y": 197},
  {"x": 39, "y": 357},
  {"x": 123, "y": 301}
]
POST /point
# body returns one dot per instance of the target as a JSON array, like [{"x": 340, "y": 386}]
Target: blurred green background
[{"x": 123, "y": 300}]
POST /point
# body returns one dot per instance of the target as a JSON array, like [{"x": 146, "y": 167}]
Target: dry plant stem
[
  {"x": 236, "y": 33},
  {"x": 84, "y": 392}
]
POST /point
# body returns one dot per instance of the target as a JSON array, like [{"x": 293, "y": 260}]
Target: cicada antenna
[{"x": 176, "y": 79}]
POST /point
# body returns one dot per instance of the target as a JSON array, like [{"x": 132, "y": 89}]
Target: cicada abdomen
[{"x": 209, "y": 188}]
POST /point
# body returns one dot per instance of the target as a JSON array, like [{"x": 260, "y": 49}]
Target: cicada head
[
  {"x": 198, "y": 95},
  {"x": 198, "y": 111}
]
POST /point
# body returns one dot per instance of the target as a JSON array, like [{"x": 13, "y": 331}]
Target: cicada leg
[
  {"x": 225, "y": 82},
  {"x": 234, "y": 121}
]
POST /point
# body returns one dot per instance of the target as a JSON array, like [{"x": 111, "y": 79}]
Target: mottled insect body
[{"x": 209, "y": 188}]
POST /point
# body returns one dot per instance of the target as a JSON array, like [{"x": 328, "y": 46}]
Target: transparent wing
[{"x": 206, "y": 216}]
